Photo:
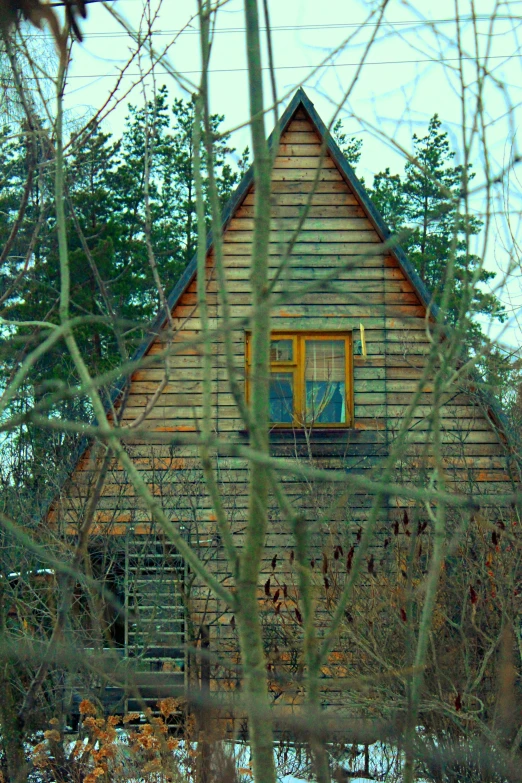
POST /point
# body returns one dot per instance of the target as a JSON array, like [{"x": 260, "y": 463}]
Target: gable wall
[{"x": 369, "y": 288}]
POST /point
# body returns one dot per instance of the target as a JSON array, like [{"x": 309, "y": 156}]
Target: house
[{"x": 349, "y": 345}]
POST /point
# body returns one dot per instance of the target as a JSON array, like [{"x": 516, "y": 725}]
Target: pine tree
[
  {"x": 172, "y": 194},
  {"x": 105, "y": 190},
  {"x": 423, "y": 207},
  {"x": 388, "y": 196},
  {"x": 105, "y": 185},
  {"x": 349, "y": 146},
  {"x": 14, "y": 172},
  {"x": 90, "y": 190}
]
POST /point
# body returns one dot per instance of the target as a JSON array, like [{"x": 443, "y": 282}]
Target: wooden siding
[{"x": 340, "y": 276}]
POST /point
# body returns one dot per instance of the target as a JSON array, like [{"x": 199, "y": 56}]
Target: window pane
[
  {"x": 281, "y": 351},
  {"x": 325, "y": 381},
  {"x": 281, "y": 397}
]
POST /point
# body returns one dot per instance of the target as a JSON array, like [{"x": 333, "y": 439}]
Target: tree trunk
[
  {"x": 255, "y": 683},
  {"x": 12, "y": 736}
]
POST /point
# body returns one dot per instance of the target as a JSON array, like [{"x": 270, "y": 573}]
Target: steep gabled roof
[{"x": 299, "y": 101}]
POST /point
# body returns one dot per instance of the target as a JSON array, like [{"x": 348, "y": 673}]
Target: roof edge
[{"x": 362, "y": 194}]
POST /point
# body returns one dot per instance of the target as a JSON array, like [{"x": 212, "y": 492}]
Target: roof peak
[{"x": 299, "y": 98}]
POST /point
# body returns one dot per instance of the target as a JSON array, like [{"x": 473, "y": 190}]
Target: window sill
[{"x": 286, "y": 434}]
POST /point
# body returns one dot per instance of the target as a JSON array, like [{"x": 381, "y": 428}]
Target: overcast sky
[{"x": 410, "y": 73}]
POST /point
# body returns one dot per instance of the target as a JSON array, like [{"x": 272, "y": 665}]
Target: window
[{"x": 310, "y": 378}]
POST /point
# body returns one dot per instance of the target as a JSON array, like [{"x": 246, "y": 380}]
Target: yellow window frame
[{"x": 297, "y": 368}]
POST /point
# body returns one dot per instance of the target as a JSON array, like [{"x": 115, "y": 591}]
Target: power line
[
  {"x": 293, "y": 28},
  {"x": 86, "y": 2},
  {"x": 305, "y": 65}
]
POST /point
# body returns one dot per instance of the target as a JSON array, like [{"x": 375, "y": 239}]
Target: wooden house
[{"x": 350, "y": 340}]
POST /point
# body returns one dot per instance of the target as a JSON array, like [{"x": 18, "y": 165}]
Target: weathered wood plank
[
  {"x": 306, "y": 175},
  {"x": 378, "y": 328},
  {"x": 150, "y": 464},
  {"x": 304, "y": 187},
  {"x": 397, "y": 365},
  {"x": 369, "y": 249},
  {"x": 300, "y": 124},
  {"x": 313, "y": 236},
  {"x": 310, "y": 267},
  {"x": 371, "y": 396},
  {"x": 368, "y": 408},
  {"x": 293, "y": 296},
  {"x": 280, "y": 212},
  {"x": 301, "y": 134},
  {"x": 322, "y": 224},
  {"x": 287, "y": 309},
  {"x": 303, "y": 161},
  {"x": 294, "y": 150},
  {"x": 393, "y": 288},
  {"x": 357, "y": 449}
]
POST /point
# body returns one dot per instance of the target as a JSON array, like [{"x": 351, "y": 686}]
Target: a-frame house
[{"x": 349, "y": 385}]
